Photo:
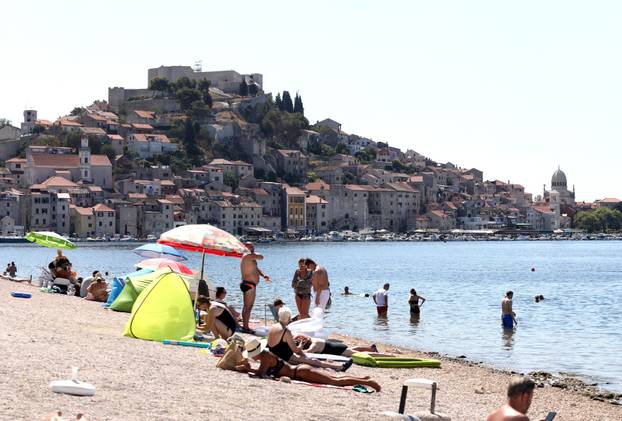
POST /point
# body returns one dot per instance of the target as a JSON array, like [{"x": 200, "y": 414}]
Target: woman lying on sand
[
  {"x": 281, "y": 343},
  {"x": 328, "y": 346},
  {"x": 272, "y": 366}
]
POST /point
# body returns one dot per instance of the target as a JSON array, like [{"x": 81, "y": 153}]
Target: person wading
[{"x": 250, "y": 278}]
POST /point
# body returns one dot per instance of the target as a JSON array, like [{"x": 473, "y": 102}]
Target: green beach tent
[
  {"x": 163, "y": 310},
  {"x": 134, "y": 285}
]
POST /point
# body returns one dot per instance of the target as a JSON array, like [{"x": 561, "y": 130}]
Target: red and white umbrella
[
  {"x": 160, "y": 263},
  {"x": 205, "y": 239}
]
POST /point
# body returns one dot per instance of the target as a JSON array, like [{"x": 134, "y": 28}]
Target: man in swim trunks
[
  {"x": 250, "y": 278},
  {"x": 320, "y": 283},
  {"x": 520, "y": 394},
  {"x": 508, "y": 317},
  {"x": 328, "y": 346},
  {"x": 220, "y": 319},
  {"x": 381, "y": 299}
]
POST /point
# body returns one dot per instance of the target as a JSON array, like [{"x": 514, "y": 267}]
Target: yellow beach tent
[{"x": 163, "y": 310}]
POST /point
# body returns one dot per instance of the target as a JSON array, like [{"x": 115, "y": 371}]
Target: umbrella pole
[{"x": 199, "y": 285}]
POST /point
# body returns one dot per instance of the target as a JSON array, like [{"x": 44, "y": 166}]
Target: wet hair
[
  {"x": 285, "y": 314},
  {"x": 302, "y": 259},
  {"x": 278, "y": 302},
  {"x": 220, "y": 291},
  {"x": 202, "y": 300},
  {"x": 95, "y": 272},
  {"x": 309, "y": 261},
  {"x": 346, "y": 288},
  {"x": 520, "y": 386},
  {"x": 386, "y": 286},
  {"x": 413, "y": 292},
  {"x": 509, "y": 294}
]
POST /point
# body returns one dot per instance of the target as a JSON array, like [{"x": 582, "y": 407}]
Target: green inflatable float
[
  {"x": 163, "y": 310},
  {"x": 391, "y": 361}
]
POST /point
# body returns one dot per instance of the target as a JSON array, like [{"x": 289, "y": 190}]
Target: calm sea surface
[{"x": 576, "y": 329}]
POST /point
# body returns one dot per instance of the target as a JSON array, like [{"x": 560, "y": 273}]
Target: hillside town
[{"x": 212, "y": 147}]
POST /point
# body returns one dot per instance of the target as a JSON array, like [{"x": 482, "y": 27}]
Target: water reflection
[
  {"x": 382, "y": 323},
  {"x": 508, "y": 339}
]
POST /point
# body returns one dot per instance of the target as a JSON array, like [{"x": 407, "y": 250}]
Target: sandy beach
[{"x": 43, "y": 337}]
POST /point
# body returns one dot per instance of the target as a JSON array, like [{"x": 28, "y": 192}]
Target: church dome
[{"x": 558, "y": 179}]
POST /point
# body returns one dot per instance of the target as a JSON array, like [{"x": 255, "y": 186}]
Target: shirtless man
[
  {"x": 508, "y": 317},
  {"x": 320, "y": 283},
  {"x": 250, "y": 278},
  {"x": 520, "y": 393}
]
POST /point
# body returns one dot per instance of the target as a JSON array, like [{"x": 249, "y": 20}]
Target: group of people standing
[{"x": 307, "y": 278}]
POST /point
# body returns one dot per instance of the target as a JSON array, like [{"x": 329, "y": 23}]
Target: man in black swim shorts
[{"x": 250, "y": 278}]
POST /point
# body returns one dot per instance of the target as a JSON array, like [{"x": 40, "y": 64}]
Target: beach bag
[{"x": 232, "y": 358}]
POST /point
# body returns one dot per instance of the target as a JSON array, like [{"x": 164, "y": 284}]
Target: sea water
[{"x": 574, "y": 330}]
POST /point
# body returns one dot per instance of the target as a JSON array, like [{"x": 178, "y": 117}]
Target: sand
[{"x": 43, "y": 337}]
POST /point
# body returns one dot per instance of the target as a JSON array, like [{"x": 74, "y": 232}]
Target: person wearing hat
[
  {"x": 281, "y": 343},
  {"x": 272, "y": 366}
]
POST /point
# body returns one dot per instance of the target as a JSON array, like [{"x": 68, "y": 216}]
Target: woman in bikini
[
  {"x": 302, "y": 288},
  {"x": 415, "y": 302},
  {"x": 281, "y": 343},
  {"x": 272, "y": 366}
]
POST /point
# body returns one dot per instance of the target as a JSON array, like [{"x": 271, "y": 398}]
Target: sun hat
[{"x": 254, "y": 347}]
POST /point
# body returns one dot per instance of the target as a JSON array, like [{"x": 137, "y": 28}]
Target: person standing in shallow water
[
  {"x": 415, "y": 302},
  {"x": 508, "y": 317},
  {"x": 301, "y": 283},
  {"x": 250, "y": 278}
]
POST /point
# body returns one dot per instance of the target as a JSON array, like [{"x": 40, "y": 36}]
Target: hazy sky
[{"x": 512, "y": 88}]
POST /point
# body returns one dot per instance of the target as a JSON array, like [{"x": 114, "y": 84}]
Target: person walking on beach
[
  {"x": 381, "y": 299},
  {"x": 250, "y": 278},
  {"x": 302, "y": 289},
  {"x": 520, "y": 394},
  {"x": 508, "y": 317},
  {"x": 415, "y": 302},
  {"x": 320, "y": 283}
]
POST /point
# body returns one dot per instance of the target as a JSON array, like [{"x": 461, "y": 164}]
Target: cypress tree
[
  {"x": 243, "y": 88},
  {"x": 298, "y": 107},
  {"x": 278, "y": 102},
  {"x": 288, "y": 105}
]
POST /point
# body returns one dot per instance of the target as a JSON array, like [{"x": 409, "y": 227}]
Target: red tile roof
[
  {"x": 66, "y": 160},
  {"x": 315, "y": 200},
  {"x": 56, "y": 181},
  {"x": 144, "y": 114},
  {"x": 140, "y": 137},
  {"x": 102, "y": 208},
  {"x": 142, "y": 126}
]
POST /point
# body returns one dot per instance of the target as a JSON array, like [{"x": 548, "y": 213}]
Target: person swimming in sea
[{"x": 346, "y": 291}]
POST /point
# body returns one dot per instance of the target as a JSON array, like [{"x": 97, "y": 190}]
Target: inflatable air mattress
[
  {"x": 17, "y": 294},
  {"x": 72, "y": 387},
  {"x": 391, "y": 361}
]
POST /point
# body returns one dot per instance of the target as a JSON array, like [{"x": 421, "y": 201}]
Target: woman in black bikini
[
  {"x": 302, "y": 288},
  {"x": 413, "y": 301},
  {"x": 281, "y": 343},
  {"x": 331, "y": 347},
  {"x": 272, "y": 366}
]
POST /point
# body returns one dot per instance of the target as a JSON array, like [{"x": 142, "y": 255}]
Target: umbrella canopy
[
  {"x": 49, "y": 239},
  {"x": 160, "y": 263},
  {"x": 150, "y": 251},
  {"x": 203, "y": 238}
]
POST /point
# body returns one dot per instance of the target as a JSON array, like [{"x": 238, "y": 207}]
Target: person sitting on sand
[
  {"x": 281, "y": 343},
  {"x": 272, "y": 366},
  {"x": 203, "y": 305},
  {"x": 346, "y": 291},
  {"x": 520, "y": 393},
  {"x": 220, "y": 319},
  {"x": 327, "y": 346},
  {"x": 97, "y": 290}
]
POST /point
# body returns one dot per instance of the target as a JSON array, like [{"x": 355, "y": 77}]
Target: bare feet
[{"x": 373, "y": 384}]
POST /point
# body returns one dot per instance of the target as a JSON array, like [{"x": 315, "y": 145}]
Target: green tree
[
  {"x": 204, "y": 85},
  {"x": 327, "y": 150},
  {"x": 198, "y": 110},
  {"x": 288, "y": 105},
  {"x": 160, "y": 84},
  {"x": 108, "y": 150},
  {"x": 78, "y": 111},
  {"x": 72, "y": 140},
  {"x": 342, "y": 148},
  {"x": 230, "y": 180},
  {"x": 366, "y": 154},
  {"x": 243, "y": 88},
  {"x": 398, "y": 166},
  {"x": 185, "y": 82},
  {"x": 278, "y": 102},
  {"x": 190, "y": 140},
  {"x": 186, "y": 96},
  {"x": 298, "y": 107},
  {"x": 4, "y": 122},
  {"x": 312, "y": 176}
]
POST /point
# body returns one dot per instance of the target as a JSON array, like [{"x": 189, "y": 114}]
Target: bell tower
[{"x": 85, "y": 160}]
